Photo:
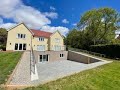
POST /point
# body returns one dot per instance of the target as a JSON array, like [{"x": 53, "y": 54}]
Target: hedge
[{"x": 111, "y": 51}]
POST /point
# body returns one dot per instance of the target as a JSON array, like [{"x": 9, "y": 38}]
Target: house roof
[{"x": 39, "y": 33}]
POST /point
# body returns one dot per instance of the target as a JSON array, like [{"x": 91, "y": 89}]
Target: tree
[
  {"x": 96, "y": 26},
  {"x": 100, "y": 24},
  {"x": 3, "y": 36}
]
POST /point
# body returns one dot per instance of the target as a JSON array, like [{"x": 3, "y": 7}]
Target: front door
[
  {"x": 43, "y": 58},
  {"x": 20, "y": 46}
]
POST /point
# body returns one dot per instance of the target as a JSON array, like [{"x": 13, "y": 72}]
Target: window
[
  {"x": 41, "y": 47},
  {"x": 24, "y": 46},
  {"x": 41, "y": 39},
  {"x": 16, "y": 46},
  {"x": 40, "y": 58},
  {"x": 61, "y": 55},
  {"x": 18, "y": 36},
  {"x": 57, "y": 48},
  {"x": 43, "y": 58},
  {"x": 57, "y": 40},
  {"x": 20, "y": 46},
  {"x": 24, "y": 35},
  {"x": 21, "y": 35}
]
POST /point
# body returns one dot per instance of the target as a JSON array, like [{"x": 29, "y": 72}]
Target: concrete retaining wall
[
  {"x": 76, "y": 56},
  {"x": 53, "y": 55}
]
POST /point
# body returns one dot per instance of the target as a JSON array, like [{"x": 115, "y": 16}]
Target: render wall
[
  {"x": 52, "y": 42},
  {"x": 12, "y": 37},
  {"x": 35, "y": 43},
  {"x": 76, "y": 56},
  {"x": 53, "y": 55}
]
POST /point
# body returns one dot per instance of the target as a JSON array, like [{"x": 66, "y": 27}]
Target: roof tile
[{"x": 39, "y": 33}]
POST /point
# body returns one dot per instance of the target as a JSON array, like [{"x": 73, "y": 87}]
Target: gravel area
[{"x": 22, "y": 73}]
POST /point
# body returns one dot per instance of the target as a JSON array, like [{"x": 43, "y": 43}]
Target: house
[{"x": 46, "y": 45}]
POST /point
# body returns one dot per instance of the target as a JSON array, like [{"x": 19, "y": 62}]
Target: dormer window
[
  {"x": 41, "y": 39},
  {"x": 21, "y": 35}
]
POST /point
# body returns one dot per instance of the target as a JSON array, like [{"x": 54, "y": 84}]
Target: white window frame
[
  {"x": 42, "y": 58},
  {"x": 41, "y": 39},
  {"x": 21, "y": 36},
  {"x": 61, "y": 55},
  {"x": 18, "y": 47},
  {"x": 38, "y": 49}
]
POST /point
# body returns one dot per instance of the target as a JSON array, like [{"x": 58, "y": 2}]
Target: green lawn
[
  {"x": 8, "y": 61},
  {"x": 106, "y": 77}
]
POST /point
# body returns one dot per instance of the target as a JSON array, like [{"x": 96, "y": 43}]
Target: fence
[
  {"x": 32, "y": 61},
  {"x": 88, "y": 52}
]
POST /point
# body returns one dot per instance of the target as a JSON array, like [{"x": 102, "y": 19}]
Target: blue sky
[{"x": 49, "y": 15}]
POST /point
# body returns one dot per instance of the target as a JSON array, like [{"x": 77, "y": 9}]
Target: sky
[{"x": 49, "y": 15}]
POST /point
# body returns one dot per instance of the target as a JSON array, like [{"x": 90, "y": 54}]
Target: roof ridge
[{"x": 41, "y": 30}]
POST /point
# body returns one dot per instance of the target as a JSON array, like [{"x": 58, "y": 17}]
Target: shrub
[
  {"x": 2, "y": 47},
  {"x": 111, "y": 51}
]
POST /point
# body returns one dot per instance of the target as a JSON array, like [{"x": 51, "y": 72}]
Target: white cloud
[
  {"x": 52, "y": 8},
  {"x": 65, "y": 21},
  {"x": 7, "y": 7},
  {"x": 62, "y": 30},
  {"x": 7, "y": 25},
  {"x": 32, "y": 17},
  {"x": 74, "y": 24},
  {"x": 52, "y": 15}
]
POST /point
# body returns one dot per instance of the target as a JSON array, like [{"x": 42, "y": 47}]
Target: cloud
[
  {"x": 52, "y": 8},
  {"x": 7, "y": 25},
  {"x": 74, "y": 24},
  {"x": 62, "y": 30},
  {"x": 65, "y": 21},
  {"x": 52, "y": 15},
  {"x": 19, "y": 12}
]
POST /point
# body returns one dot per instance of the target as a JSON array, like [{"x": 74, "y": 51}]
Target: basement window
[{"x": 61, "y": 55}]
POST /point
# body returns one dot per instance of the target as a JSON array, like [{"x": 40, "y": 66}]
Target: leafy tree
[
  {"x": 100, "y": 24},
  {"x": 96, "y": 26},
  {"x": 3, "y": 36}
]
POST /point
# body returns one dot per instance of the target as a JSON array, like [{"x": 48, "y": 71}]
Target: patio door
[
  {"x": 20, "y": 46},
  {"x": 43, "y": 58}
]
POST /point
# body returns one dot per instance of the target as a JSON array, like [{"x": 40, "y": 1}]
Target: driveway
[{"x": 54, "y": 70}]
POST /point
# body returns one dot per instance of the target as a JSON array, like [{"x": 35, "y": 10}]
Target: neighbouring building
[{"x": 44, "y": 44}]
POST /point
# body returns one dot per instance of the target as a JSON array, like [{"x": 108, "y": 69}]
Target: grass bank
[{"x": 8, "y": 61}]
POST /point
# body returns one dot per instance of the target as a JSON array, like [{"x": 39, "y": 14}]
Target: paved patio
[
  {"x": 58, "y": 69},
  {"x": 49, "y": 71}
]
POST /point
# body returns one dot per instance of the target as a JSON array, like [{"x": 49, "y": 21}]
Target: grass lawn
[
  {"x": 8, "y": 61},
  {"x": 106, "y": 77}
]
